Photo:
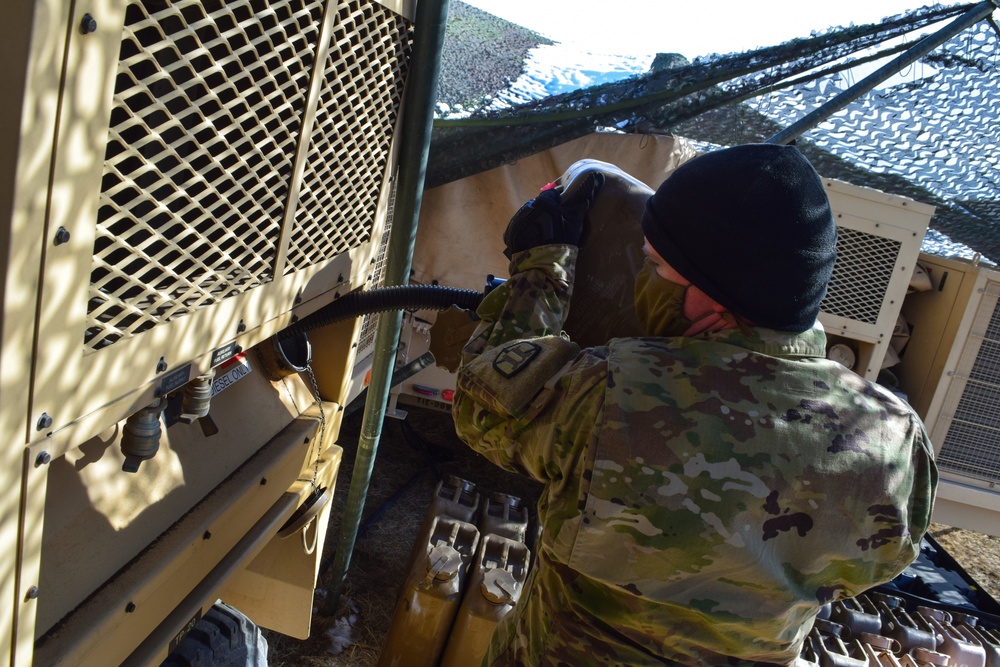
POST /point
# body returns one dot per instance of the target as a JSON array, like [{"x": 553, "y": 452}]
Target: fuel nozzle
[{"x": 141, "y": 435}]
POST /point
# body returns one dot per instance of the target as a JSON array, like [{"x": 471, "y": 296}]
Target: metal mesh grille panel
[
  {"x": 366, "y": 340},
  {"x": 972, "y": 444},
  {"x": 206, "y": 116},
  {"x": 865, "y": 263},
  {"x": 363, "y": 86}
]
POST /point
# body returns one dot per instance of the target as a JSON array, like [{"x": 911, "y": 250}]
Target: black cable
[{"x": 400, "y": 297}]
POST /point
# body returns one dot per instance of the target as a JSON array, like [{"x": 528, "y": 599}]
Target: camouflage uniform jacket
[{"x": 703, "y": 496}]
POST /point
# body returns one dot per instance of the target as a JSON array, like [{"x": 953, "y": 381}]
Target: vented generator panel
[
  {"x": 221, "y": 168},
  {"x": 180, "y": 180},
  {"x": 951, "y": 372},
  {"x": 878, "y": 242}
]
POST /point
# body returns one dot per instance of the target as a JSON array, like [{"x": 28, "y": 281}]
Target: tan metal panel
[
  {"x": 967, "y": 507},
  {"x": 954, "y": 354},
  {"x": 971, "y": 396},
  {"x": 406, "y": 8},
  {"x": 133, "y": 362},
  {"x": 934, "y": 317},
  {"x": 960, "y": 355},
  {"x": 81, "y": 139},
  {"x": 104, "y": 630},
  {"x": 349, "y": 144},
  {"x": 29, "y": 587},
  {"x": 101, "y": 517},
  {"x": 276, "y": 589},
  {"x": 32, "y": 51}
]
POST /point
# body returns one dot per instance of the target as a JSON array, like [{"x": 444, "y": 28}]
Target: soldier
[{"x": 708, "y": 487}]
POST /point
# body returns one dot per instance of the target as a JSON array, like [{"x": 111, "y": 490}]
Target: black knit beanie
[{"x": 750, "y": 226}]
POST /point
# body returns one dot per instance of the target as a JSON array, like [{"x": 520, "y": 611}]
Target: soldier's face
[{"x": 663, "y": 269}]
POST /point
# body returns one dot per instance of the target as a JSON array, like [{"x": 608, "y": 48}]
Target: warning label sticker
[{"x": 235, "y": 369}]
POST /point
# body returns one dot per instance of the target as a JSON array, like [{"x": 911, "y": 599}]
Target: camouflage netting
[
  {"x": 935, "y": 140},
  {"x": 499, "y": 48}
]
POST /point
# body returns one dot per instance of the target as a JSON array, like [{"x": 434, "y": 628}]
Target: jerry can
[
  {"x": 431, "y": 596},
  {"x": 857, "y": 614},
  {"x": 452, "y": 497},
  {"x": 922, "y": 657},
  {"x": 990, "y": 640},
  {"x": 881, "y": 651},
  {"x": 494, "y": 588},
  {"x": 958, "y": 642},
  {"x": 505, "y": 515},
  {"x": 909, "y": 631},
  {"x": 827, "y": 646},
  {"x": 455, "y": 497}
]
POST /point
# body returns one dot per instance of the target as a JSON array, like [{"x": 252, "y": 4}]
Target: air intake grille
[
  {"x": 350, "y": 143},
  {"x": 861, "y": 276},
  {"x": 206, "y": 114},
  {"x": 369, "y": 326},
  {"x": 972, "y": 445},
  {"x": 206, "y": 121}
]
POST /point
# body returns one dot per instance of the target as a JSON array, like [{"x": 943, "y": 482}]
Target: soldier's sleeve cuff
[{"x": 557, "y": 260}]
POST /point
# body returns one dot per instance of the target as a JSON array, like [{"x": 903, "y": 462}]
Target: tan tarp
[{"x": 461, "y": 225}]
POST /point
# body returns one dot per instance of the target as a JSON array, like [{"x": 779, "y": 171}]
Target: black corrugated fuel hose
[{"x": 401, "y": 297}]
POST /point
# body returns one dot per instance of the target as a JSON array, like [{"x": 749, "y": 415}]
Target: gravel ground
[{"x": 978, "y": 554}]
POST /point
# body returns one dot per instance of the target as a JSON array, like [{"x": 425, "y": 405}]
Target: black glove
[{"x": 547, "y": 219}]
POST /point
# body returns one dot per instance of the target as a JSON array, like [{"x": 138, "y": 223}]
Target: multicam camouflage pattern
[{"x": 704, "y": 496}]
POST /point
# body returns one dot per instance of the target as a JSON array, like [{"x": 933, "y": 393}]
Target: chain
[{"x": 322, "y": 425}]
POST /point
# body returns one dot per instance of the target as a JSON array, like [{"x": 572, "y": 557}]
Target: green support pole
[{"x": 418, "y": 115}]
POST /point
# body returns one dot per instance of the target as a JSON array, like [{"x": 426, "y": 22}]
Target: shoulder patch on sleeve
[
  {"x": 508, "y": 377},
  {"x": 515, "y": 357}
]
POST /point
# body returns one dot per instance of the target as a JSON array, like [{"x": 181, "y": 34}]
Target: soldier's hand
[{"x": 548, "y": 219}]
